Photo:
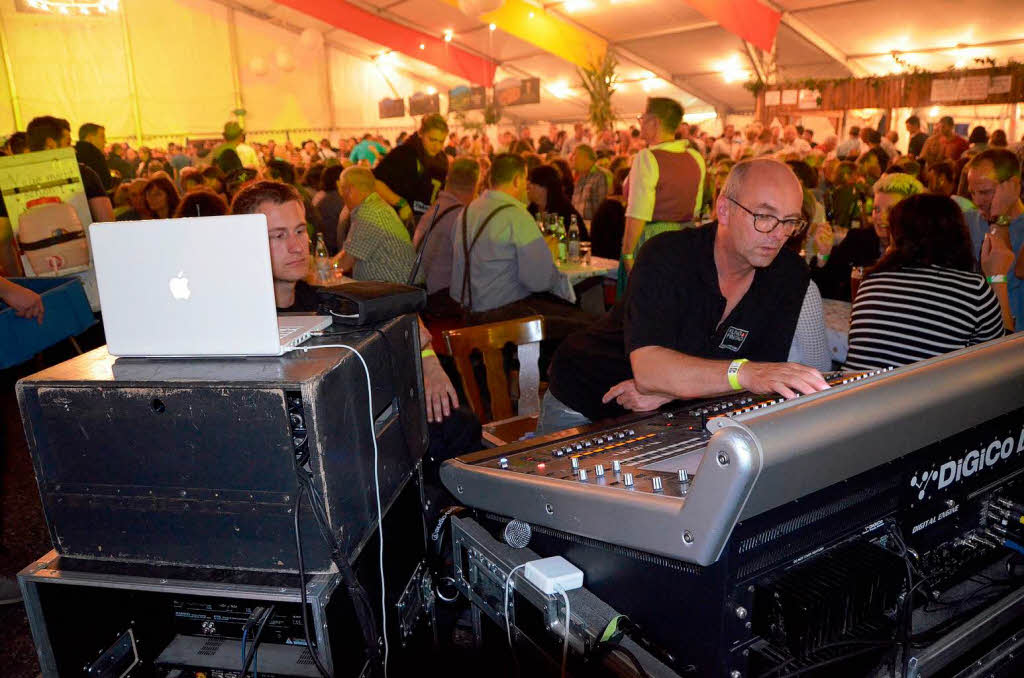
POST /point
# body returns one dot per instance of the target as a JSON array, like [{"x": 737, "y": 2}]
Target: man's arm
[
  {"x": 345, "y": 261},
  {"x": 664, "y": 371},
  {"x": 996, "y": 258},
  {"x": 393, "y": 199},
  {"x": 101, "y": 209},
  {"x": 25, "y": 302},
  {"x": 643, "y": 179}
]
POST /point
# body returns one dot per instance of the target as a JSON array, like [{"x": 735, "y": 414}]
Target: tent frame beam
[{"x": 801, "y": 28}]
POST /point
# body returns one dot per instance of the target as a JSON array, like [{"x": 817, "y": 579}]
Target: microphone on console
[{"x": 517, "y": 534}]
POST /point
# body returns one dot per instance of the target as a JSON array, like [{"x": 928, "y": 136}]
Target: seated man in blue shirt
[{"x": 994, "y": 180}]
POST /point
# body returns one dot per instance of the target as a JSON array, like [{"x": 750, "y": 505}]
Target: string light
[
  {"x": 491, "y": 27},
  {"x": 448, "y": 35},
  {"x": 83, "y": 7}
]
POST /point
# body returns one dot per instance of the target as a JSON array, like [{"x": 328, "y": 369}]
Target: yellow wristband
[
  {"x": 427, "y": 352},
  {"x": 628, "y": 257},
  {"x": 733, "y": 373}
]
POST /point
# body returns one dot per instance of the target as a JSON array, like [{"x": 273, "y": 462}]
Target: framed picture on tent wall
[
  {"x": 465, "y": 98},
  {"x": 514, "y": 92},
  {"x": 424, "y": 104},
  {"x": 391, "y": 108}
]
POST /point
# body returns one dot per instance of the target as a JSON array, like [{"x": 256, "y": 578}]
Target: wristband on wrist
[
  {"x": 401, "y": 203},
  {"x": 733, "y": 373},
  {"x": 427, "y": 352},
  {"x": 993, "y": 279},
  {"x": 628, "y": 257},
  {"x": 1002, "y": 220}
]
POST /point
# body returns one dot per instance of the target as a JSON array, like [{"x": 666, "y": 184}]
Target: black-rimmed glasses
[{"x": 766, "y": 223}]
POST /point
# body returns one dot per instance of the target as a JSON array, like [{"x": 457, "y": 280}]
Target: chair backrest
[{"x": 525, "y": 333}]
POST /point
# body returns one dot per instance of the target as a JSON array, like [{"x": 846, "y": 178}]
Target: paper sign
[
  {"x": 972, "y": 88},
  {"x": 809, "y": 98},
  {"x": 943, "y": 90},
  {"x": 43, "y": 174},
  {"x": 1000, "y": 84},
  {"x": 789, "y": 97},
  {"x": 771, "y": 97}
]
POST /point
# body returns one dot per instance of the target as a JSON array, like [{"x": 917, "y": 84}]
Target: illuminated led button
[{"x": 620, "y": 435}]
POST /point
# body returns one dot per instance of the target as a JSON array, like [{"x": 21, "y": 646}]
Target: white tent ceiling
[{"x": 667, "y": 48}]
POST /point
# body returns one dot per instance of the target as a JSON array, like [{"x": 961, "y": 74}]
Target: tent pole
[
  {"x": 130, "y": 61},
  {"x": 11, "y": 86},
  {"x": 1014, "y": 115},
  {"x": 329, "y": 90},
  {"x": 236, "y": 80}
]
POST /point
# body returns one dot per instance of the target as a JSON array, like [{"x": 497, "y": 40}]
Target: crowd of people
[{"x": 459, "y": 216}]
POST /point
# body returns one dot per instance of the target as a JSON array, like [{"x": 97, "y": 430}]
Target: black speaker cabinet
[{"x": 192, "y": 461}]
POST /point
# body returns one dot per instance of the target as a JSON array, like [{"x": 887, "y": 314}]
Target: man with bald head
[
  {"x": 378, "y": 246},
  {"x": 707, "y": 311}
]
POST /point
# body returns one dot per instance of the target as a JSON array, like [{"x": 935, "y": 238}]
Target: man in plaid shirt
[
  {"x": 592, "y": 183},
  {"x": 378, "y": 246}
]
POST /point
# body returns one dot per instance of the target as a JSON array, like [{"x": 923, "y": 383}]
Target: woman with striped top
[{"x": 922, "y": 298}]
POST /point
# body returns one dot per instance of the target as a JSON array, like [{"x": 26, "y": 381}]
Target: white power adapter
[{"x": 551, "y": 574}]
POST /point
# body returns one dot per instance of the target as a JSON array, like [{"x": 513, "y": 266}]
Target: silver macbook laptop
[{"x": 192, "y": 287}]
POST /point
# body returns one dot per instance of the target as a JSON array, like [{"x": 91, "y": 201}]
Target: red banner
[
  {"x": 435, "y": 50},
  {"x": 748, "y": 19}
]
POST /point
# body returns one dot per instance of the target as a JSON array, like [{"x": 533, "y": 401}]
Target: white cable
[
  {"x": 376, "y": 482},
  {"x": 565, "y": 641},
  {"x": 508, "y": 626}
]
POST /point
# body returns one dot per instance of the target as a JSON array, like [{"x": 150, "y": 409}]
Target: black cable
[
  {"x": 251, "y": 654},
  {"x": 302, "y": 584}
]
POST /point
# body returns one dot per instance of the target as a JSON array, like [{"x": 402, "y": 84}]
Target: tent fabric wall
[
  {"x": 182, "y": 57},
  {"x": 281, "y": 98},
  {"x": 76, "y": 67}
]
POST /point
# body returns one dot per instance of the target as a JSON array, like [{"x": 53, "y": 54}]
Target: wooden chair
[{"x": 503, "y": 424}]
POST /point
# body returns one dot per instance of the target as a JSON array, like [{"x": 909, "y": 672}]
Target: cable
[
  {"x": 568, "y": 619},
  {"x": 251, "y": 655},
  {"x": 508, "y": 626},
  {"x": 376, "y": 482},
  {"x": 302, "y": 585},
  {"x": 640, "y": 671}
]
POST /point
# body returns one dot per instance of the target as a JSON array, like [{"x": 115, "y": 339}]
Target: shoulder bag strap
[{"x": 426, "y": 235}]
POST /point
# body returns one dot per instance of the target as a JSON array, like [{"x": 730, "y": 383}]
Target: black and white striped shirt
[{"x": 911, "y": 314}]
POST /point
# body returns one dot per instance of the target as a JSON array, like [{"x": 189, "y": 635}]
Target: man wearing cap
[{"x": 234, "y": 138}]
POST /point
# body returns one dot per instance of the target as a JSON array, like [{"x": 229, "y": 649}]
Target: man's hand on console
[
  {"x": 786, "y": 379},
  {"x": 626, "y": 394}
]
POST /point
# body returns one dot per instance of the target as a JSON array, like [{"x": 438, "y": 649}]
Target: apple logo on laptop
[{"x": 179, "y": 286}]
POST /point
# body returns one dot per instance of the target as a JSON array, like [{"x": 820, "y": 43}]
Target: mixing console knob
[
  {"x": 620, "y": 435},
  {"x": 684, "y": 477},
  {"x": 558, "y": 452},
  {"x": 656, "y": 483},
  {"x": 587, "y": 443},
  {"x": 627, "y": 480},
  {"x": 583, "y": 474},
  {"x": 616, "y": 466},
  {"x": 630, "y": 432},
  {"x": 579, "y": 446},
  {"x": 575, "y": 461},
  {"x": 599, "y": 470}
]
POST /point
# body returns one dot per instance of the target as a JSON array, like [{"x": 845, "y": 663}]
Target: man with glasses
[
  {"x": 666, "y": 183},
  {"x": 708, "y": 311}
]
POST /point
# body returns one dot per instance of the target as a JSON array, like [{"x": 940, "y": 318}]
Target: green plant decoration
[{"x": 599, "y": 82}]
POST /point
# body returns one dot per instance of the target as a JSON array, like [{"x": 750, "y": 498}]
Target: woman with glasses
[{"x": 922, "y": 298}]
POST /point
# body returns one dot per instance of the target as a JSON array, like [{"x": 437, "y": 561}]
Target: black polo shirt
[
  {"x": 305, "y": 299},
  {"x": 673, "y": 301},
  {"x": 409, "y": 172}
]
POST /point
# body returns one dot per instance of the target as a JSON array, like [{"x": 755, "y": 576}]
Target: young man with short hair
[
  {"x": 92, "y": 139},
  {"x": 411, "y": 175}
]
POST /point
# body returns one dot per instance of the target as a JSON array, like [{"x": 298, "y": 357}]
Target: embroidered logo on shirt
[{"x": 734, "y": 338}]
